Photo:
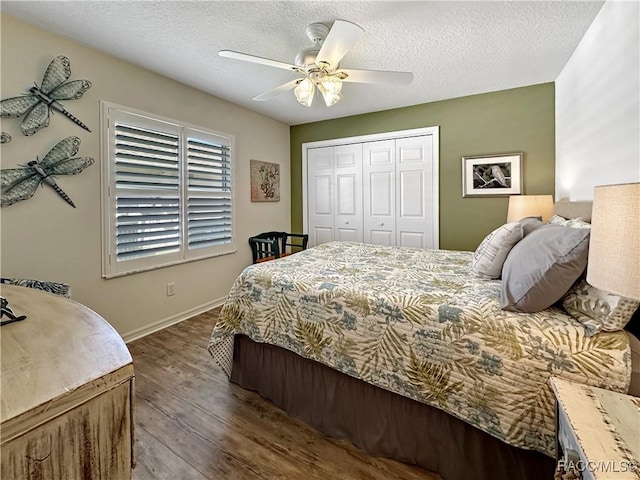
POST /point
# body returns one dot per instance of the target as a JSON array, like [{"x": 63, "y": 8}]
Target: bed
[{"x": 406, "y": 354}]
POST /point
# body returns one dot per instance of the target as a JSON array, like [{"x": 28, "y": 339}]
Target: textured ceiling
[{"x": 453, "y": 48}]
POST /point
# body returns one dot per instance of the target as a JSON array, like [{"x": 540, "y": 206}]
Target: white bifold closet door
[
  {"x": 378, "y": 192},
  {"x": 335, "y": 194},
  {"x": 397, "y": 192}
]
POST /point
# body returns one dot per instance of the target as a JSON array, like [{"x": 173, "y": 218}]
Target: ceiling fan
[{"x": 320, "y": 65}]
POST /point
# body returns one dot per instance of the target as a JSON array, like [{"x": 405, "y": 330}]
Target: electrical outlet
[{"x": 171, "y": 289}]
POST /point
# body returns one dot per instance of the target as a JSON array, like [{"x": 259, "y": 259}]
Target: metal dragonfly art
[
  {"x": 37, "y": 104},
  {"x": 21, "y": 183},
  {"x": 6, "y": 310}
]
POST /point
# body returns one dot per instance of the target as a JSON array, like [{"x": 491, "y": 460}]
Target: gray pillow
[
  {"x": 529, "y": 224},
  {"x": 542, "y": 267}
]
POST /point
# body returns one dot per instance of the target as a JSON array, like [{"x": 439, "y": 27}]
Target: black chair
[{"x": 271, "y": 245}]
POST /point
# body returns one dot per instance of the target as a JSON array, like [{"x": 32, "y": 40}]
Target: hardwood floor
[{"x": 193, "y": 424}]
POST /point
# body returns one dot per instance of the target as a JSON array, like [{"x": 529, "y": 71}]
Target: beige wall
[{"x": 44, "y": 238}]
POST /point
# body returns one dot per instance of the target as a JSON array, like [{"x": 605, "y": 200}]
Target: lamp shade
[
  {"x": 614, "y": 246},
  {"x": 304, "y": 92},
  {"x": 521, "y": 206},
  {"x": 330, "y": 87}
]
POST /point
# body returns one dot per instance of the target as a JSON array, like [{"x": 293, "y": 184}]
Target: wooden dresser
[{"x": 67, "y": 392}]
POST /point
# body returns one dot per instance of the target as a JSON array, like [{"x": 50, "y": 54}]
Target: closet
[{"x": 380, "y": 189}]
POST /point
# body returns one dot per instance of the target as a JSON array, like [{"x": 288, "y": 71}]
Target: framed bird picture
[{"x": 492, "y": 175}]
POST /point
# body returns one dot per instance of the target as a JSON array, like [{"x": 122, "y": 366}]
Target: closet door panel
[
  {"x": 413, "y": 191},
  {"x": 321, "y": 235},
  {"x": 348, "y": 156},
  {"x": 411, "y": 239},
  {"x": 379, "y": 178},
  {"x": 381, "y": 237},
  {"x": 411, "y": 195},
  {"x": 411, "y": 215},
  {"x": 321, "y": 191},
  {"x": 321, "y": 158},
  {"x": 348, "y": 197},
  {"x": 346, "y": 234},
  {"x": 380, "y": 198},
  {"x": 347, "y": 189}
]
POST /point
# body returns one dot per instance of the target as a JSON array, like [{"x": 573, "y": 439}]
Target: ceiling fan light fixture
[
  {"x": 330, "y": 87},
  {"x": 305, "y": 91},
  {"x": 320, "y": 64},
  {"x": 332, "y": 84},
  {"x": 331, "y": 99}
]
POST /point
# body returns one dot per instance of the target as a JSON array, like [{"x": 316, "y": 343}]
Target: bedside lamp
[
  {"x": 614, "y": 246},
  {"x": 521, "y": 206}
]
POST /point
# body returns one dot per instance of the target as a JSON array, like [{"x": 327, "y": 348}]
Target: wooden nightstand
[
  {"x": 67, "y": 392},
  {"x": 597, "y": 432}
]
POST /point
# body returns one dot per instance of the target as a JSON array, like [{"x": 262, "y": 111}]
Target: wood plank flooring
[{"x": 193, "y": 424}]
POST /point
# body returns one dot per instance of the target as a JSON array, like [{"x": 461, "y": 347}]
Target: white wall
[
  {"x": 44, "y": 238},
  {"x": 598, "y": 105}
]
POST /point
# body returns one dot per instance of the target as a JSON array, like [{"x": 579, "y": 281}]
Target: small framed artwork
[
  {"x": 492, "y": 175},
  {"x": 265, "y": 181}
]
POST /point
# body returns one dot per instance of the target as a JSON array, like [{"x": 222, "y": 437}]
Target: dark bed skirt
[{"x": 380, "y": 422}]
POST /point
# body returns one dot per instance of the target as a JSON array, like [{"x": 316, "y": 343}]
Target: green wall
[{"x": 516, "y": 120}]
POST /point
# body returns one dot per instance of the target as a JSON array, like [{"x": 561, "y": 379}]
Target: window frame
[{"x": 111, "y": 267}]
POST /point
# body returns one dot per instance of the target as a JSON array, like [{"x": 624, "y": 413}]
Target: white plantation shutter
[
  {"x": 147, "y": 226},
  {"x": 169, "y": 193},
  {"x": 209, "y": 219},
  {"x": 147, "y": 179}
]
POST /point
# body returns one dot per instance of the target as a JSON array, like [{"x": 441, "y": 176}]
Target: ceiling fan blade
[
  {"x": 260, "y": 60},
  {"x": 377, "y": 76},
  {"x": 277, "y": 91},
  {"x": 341, "y": 38}
]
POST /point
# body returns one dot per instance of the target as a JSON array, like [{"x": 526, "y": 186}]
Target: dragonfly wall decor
[
  {"x": 21, "y": 183},
  {"x": 37, "y": 104}
]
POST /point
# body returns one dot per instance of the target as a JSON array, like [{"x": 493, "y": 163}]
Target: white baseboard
[{"x": 167, "y": 322}]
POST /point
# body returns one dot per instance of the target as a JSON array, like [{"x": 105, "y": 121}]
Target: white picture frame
[{"x": 492, "y": 175}]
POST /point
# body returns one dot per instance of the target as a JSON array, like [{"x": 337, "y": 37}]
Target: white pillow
[
  {"x": 577, "y": 222},
  {"x": 492, "y": 252},
  {"x": 558, "y": 220}
]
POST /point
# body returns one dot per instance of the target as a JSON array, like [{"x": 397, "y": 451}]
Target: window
[{"x": 168, "y": 192}]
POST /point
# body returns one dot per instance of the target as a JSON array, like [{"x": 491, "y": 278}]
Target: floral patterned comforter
[{"x": 418, "y": 323}]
